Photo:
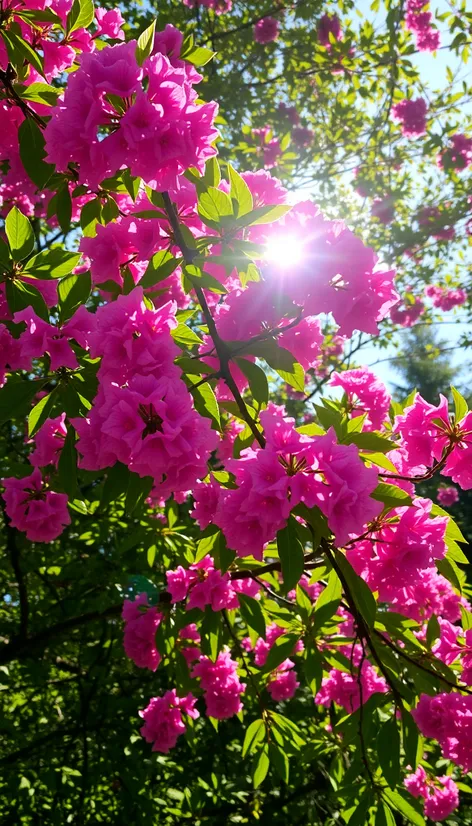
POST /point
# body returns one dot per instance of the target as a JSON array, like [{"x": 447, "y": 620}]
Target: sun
[{"x": 284, "y": 250}]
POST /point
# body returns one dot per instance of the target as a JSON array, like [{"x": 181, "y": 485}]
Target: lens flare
[{"x": 284, "y": 250}]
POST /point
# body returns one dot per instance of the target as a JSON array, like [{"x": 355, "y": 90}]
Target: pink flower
[
  {"x": 109, "y": 23},
  {"x": 345, "y": 499},
  {"x": 141, "y": 624},
  {"x": 408, "y": 313},
  {"x": 41, "y": 513},
  {"x": 49, "y": 441},
  {"x": 221, "y": 685},
  {"x": 266, "y": 30},
  {"x": 416, "y": 783},
  {"x": 412, "y": 116},
  {"x": 206, "y": 502},
  {"x": 441, "y": 799},
  {"x": 163, "y": 720},
  {"x": 366, "y": 394},
  {"x": 458, "y": 155},
  {"x": 383, "y": 210},
  {"x": 422, "y": 439},
  {"x": 158, "y": 134},
  {"x": 283, "y": 682},
  {"x": 441, "y": 795},
  {"x": 343, "y": 688},
  {"x": 448, "y": 496},
  {"x": 328, "y": 25},
  {"x": 447, "y": 718},
  {"x": 205, "y": 584}
]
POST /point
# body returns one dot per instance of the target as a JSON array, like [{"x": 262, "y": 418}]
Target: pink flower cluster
[
  {"x": 35, "y": 509},
  {"x": 328, "y": 25},
  {"x": 424, "y": 439},
  {"x": 418, "y": 21},
  {"x": 336, "y": 272},
  {"x": 383, "y": 209},
  {"x": 141, "y": 623},
  {"x": 221, "y": 685},
  {"x": 458, "y": 155},
  {"x": 365, "y": 395},
  {"x": 163, "y": 719},
  {"x": 349, "y": 690},
  {"x": 454, "y": 644},
  {"x": 205, "y": 584},
  {"x": 218, "y": 6},
  {"x": 158, "y": 132},
  {"x": 444, "y": 298},
  {"x": 441, "y": 795},
  {"x": 292, "y": 468},
  {"x": 411, "y": 114},
  {"x": 448, "y": 496},
  {"x": 143, "y": 414},
  {"x": 447, "y": 718},
  {"x": 394, "y": 556},
  {"x": 409, "y": 311},
  {"x": 266, "y": 30}
]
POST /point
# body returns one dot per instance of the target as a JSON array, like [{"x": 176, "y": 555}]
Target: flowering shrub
[{"x": 142, "y": 364}]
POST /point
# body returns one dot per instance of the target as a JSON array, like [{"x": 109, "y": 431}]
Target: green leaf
[
  {"x": 67, "y": 465},
  {"x": 257, "y": 379},
  {"x": 384, "y": 816},
  {"x": 80, "y": 16},
  {"x": 205, "y": 403},
  {"x": 254, "y": 735},
  {"x": 37, "y": 93},
  {"x": 199, "y": 56},
  {"x": 240, "y": 193},
  {"x": 279, "y": 760},
  {"x": 5, "y": 259},
  {"x": 116, "y": 483},
  {"x": 252, "y": 615},
  {"x": 433, "y": 631},
  {"x": 185, "y": 337},
  {"x": 213, "y": 204},
  {"x": 21, "y": 295},
  {"x": 411, "y": 739},
  {"x": 391, "y": 496},
  {"x": 73, "y": 290},
  {"x": 283, "y": 362},
  {"x": 16, "y": 397},
  {"x": 19, "y": 50},
  {"x": 139, "y": 489},
  {"x": 449, "y": 569},
  {"x": 33, "y": 152},
  {"x": 291, "y": 555},
  {"x": 161, "y": 265},
  {"x": 19, "y": 233},
  {"x": 54, "y": 263},
  {"x": 452, "y": 530},
  {"x": 263, "y": 215},
  {"x": 261, "y": 766},
  {"x": 407, "y": 806},
  {"x": 370, "y": 441},
  {"x": 145, "y": 43},
  {"x": 282, "y": 648},
  {"x": 313, "y": 666},
  {"x": 64, "y": 208},
  {"x": 359, "y": 590},
  {"x": 388, "y": 750},
  {"x": 90, "y": 216},
  {"x": 41, "y": 412},
  {"x": 460, "y": 405},
  {"x": 328, "y": 601}
]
